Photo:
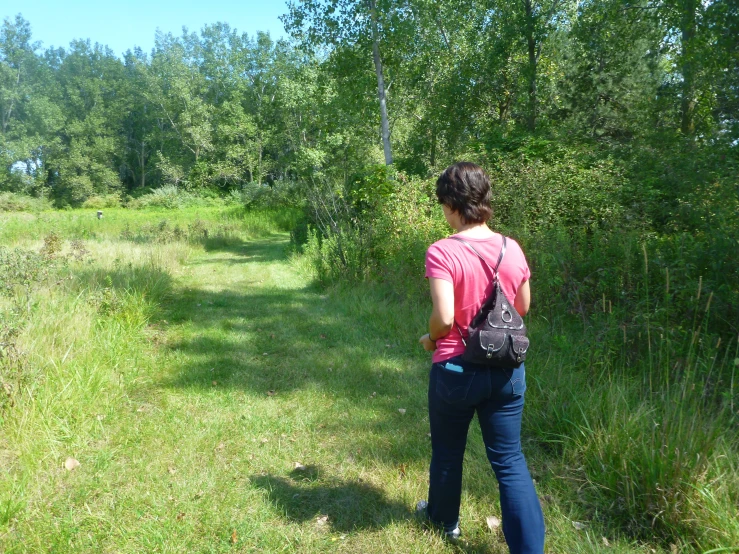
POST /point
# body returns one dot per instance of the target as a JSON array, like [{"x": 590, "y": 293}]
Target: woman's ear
[{"x": 452, "y": 216}]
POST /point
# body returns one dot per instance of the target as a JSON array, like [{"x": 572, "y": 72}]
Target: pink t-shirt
[{"x": 453, "y": 261}]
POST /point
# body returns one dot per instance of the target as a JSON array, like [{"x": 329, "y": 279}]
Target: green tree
[
  {"x": 176, "y": 87},
  {"x": 334, "y": 23},
  {"x": 87, "y": 86},
  {"x": 139, "y": 124},
  {"x": 18, "y": 72},
  {"x": 613, "y": 66},
  {"x": 722, "y": 23}
]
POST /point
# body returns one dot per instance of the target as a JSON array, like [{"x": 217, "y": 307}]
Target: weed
[{"x": 52, "y": 245}]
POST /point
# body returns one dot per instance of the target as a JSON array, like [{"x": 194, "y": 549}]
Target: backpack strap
[
  {"x": 500, "y": 257},
  {"x": 495, "y": 271}
]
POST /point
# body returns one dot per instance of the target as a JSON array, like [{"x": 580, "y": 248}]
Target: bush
[
  {"x": 168, "y": 196},
  {"x": 588, "y": 252},
  {"x": 171, "y": 198},
  {"x": 276, "y": 195},
  {"x": 342, "y": 254},
  {"x": 103, "y": 201},
  {"x": 400, "y": 216},
  {"x": 27, "y": 269},
  {"x": 408, "y": 221},
  {"x": 21, "y": 272},
  {"x": 13, "y": 202},
  {"x": 534, "y": 195},
  {"x": 11, "y": 360}
]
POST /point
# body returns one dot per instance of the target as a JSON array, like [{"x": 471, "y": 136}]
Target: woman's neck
[{"x": 474, "y": 230}]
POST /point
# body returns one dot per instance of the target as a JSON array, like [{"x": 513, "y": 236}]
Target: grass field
[{"x": 217, "y": 401}]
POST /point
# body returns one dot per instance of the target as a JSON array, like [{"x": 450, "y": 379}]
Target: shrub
[
  {"x": 13, "y": 202},
  {"x": 341, "y": 254},
  {"x": 11, "y": 361},
  {"x": 21, "y": 272},
  {"x": 275, "y": 195},
  {"x": 168, "y": 196},
  {"x": 25, "y": 268},
  {"x": 408, "y": 221},
  {"x": 171, "y": 197},
  {"x": 103, "y": 201},
  {"x": 401, "y": 217},
  {"x": 534, "y": 195}
]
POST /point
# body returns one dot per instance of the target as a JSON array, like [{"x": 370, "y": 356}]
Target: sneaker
[
  {"x": 422, "y": 513},
  {"x": 422, "y": 509}
]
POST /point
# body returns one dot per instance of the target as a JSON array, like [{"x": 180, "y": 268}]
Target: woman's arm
[
  {"x": 442, "y": 313},
  {"x": 523, "y": 299}
]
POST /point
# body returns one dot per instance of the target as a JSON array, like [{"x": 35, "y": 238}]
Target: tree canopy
[{"x": 417, "y": 83}]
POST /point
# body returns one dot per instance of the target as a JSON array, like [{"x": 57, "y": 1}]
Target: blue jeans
[{"x": 497, "y": 397}]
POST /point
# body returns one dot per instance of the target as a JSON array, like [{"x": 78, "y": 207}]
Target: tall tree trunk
[
  {"x": 505, "y": 104},
  {"x": 687, "y": 65},
  {"x": 142, "y": 164},
  {"x": 432, "y": 160},
  {"x": 259, "y": 163},
  {"x": 531, "y": 70},
  {"x": 6, "y": 116},
  {"x": 380, "y": 84}
]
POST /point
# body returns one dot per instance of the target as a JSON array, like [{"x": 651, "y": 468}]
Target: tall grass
[
  {"x": 75, "y": 310},
  {"x": 83, "y": 224},
  {"x": 647, "y": 456},
  {"x": 81, "y": 347}
]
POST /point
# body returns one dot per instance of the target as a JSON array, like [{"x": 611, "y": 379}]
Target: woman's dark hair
[{"x": 465, "y": 188}]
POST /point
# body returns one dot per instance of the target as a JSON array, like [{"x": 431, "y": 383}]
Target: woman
[{"x": 460, "y": 282}]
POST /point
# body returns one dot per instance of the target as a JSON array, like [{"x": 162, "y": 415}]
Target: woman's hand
[{"x": 427, "y": 343}]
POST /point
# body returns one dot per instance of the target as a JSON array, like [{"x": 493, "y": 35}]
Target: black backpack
[{"x": 497, "y": 334}]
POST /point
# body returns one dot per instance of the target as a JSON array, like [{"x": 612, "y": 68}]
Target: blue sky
[{"x": 123, "y": 24}]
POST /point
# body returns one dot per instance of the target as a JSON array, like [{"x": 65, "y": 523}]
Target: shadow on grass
[
  {"x": 295, "y": 340},
  {"x": 354, "y": 347},
  {"x": 307, "y": 496},
  {"x": 221, "y": 243},
  {"x": 348, "y": 505},
  {"x": 248, "y": 251}
]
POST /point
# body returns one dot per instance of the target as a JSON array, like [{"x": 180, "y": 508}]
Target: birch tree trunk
[
  {"x": 380, "y": 84},
  {"x": 531, "y": 70},
  {"x": 142, "y": 164},
  {"x": 687, "y": 32}
]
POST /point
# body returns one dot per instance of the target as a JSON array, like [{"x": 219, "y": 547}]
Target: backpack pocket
[
  {"x": 485, "y": 346},
  {"x": 495, "y": 347},
  {"x": 519, "y": 347}
]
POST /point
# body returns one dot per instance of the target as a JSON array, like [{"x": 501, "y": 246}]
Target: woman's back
[{"x": 453, "y": 261}]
